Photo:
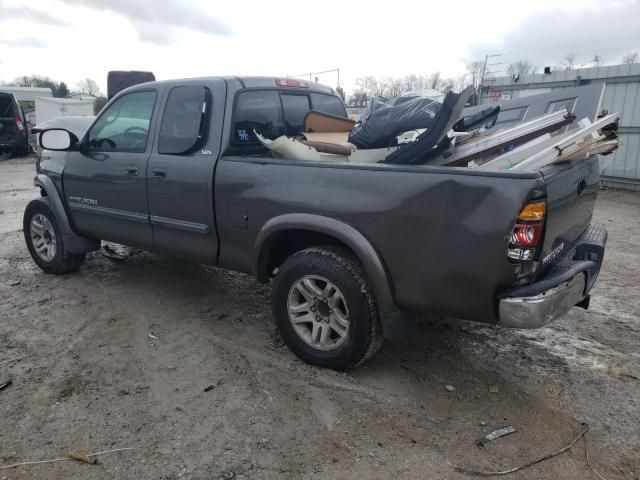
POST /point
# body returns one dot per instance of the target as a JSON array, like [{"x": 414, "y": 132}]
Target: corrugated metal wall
[
  {"x": 622, "y": 94},
  {"x": 624, "y": 164}
]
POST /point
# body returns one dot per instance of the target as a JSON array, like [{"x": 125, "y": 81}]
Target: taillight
[
  {"x": 527, "y": 232},
  {"x": 291, "y": 82},
  {"x": 19, "y": 124}
]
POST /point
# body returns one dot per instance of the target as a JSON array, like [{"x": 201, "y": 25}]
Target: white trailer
[{"x": 48, "y": 108}]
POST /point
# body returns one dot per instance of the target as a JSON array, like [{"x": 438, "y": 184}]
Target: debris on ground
[
  {"x": 584, "y": 429},
  {"x": 111, "y": 254},
  {"x": 494, "y": 389},
  {"x": 15, "y": 359},
  {"x": 450, "y": 388},
  {"x": 209, "y": 388},
  {"x": 81, "y": 457},
  {"x": 13, "y": 283},
  {"x": 5, "y": 384},
  {"x": 496, "y": 434},
  {"x": 152, "y": 336},
  {"x": 62, "y": 459}
]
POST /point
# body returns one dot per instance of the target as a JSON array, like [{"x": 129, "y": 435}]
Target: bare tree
[
  {"x": 434, "y": 81},
  {"x": 474, "y": 70},
  {"x": 446, "y": 85},
  {"x": 569, "y": 61},
  {"x": 597, "y": 60},
  {"x": 89, "y": 87},
  {"x": 358, "y": 98},
  {"x": 631, "y": 57},
  {"x": 461, "y": 82},
  {"x": 394, "y": 87},
  {"x": 521, "y": 68}
]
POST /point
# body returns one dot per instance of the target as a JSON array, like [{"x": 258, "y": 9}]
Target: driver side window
[{"x": 124, "y": 126}]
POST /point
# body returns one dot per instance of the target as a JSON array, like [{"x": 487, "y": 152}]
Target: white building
[
  {"x": 622, "y": 94},
  {"x": 26, "y": 94},
  {"x": 82, "y": 96}
]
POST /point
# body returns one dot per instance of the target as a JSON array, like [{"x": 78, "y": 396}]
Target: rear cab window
[
  {"x": 328, "y": 104},
  {"x": 273, "y": 113},
  {"x": 295, "y": 107},
  {"x": 258, "y": 110}
]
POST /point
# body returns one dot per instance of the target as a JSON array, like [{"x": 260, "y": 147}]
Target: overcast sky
[{"x": 69, "y": 40}]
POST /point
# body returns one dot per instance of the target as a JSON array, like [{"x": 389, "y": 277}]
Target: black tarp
[
  {"x": 383, "y": 121},
  {"x": 433, "y": 141}
]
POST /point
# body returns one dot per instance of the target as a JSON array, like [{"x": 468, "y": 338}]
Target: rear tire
[
  {"x": 325, "y": 309},
  {"x": 44, "y": 239}
]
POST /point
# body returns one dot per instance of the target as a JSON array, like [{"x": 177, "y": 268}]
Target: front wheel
[
  {"x": 325, "y": 309},
  {"x": 44, "y": 239}
]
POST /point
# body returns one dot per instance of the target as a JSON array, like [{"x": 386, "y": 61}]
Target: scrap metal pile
[{"x": 427, "y": 129}]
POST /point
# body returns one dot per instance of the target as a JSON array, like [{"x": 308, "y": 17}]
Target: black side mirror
[{"x": 57, "y": 139}]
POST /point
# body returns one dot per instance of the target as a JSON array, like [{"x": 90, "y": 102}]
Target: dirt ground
[{"x": 181, "y": 362}]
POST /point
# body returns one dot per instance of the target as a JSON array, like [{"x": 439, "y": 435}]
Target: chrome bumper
[{"x": 539, "y": 310}]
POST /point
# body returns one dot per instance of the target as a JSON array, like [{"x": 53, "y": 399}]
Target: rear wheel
[
  {"x": 44, "y": 239},
  {"x": 324, "y": 308}
]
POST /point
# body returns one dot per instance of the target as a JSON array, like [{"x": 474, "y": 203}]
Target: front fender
[
  {"x": 73, "y": 243},
  {"x": 358, "y": 243}
]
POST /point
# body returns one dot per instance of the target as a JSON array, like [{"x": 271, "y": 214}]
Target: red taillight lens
[
  {"x": 527, "y": 232},
  {"x": 19, "y": 125}
]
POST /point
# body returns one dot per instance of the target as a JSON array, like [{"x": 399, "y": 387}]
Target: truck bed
[{"x": 442, "y": 232}]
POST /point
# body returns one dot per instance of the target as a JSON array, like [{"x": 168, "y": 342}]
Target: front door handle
[
  {"x": 131, "y": 170},
  {"x": 159, "y": 172}
]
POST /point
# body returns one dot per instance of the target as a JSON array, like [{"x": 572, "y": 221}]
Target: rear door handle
[
  {"x": 159, "y": 172},
  {"x": 131, "y": 170}
]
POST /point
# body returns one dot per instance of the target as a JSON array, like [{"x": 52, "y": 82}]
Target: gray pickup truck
[{"x": 354, "y": 251}]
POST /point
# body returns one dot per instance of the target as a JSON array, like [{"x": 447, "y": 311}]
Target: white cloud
[
  {"x": 155, "y": 20},
  {"x": 26, "y": 42}
]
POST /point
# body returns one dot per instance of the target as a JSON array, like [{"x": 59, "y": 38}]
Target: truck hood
[{"x": 77, "y": 125}]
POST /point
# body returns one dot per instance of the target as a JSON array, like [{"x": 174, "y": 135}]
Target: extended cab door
[
  {"x": 105, "y": 182},
  {"x": 181, "y": 170}
]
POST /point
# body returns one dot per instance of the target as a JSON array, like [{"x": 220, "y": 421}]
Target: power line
[{"x": 555, "y": 46}]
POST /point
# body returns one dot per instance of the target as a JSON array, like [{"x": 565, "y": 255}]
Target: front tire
[
  {"x": 324, "y": 308},
  {"x": 44, "y": 239}
]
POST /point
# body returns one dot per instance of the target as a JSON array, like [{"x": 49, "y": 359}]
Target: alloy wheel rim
[
  {"x": 318, "y": 312},
  {"x": 43, "y": 237}
]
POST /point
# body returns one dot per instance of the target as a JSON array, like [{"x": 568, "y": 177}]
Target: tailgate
[{"x": 572, "y": 188}]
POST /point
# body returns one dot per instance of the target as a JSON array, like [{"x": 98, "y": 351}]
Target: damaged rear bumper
[{"x": 539, "y": 303}]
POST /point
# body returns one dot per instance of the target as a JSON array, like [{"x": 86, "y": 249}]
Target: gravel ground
[{"x": 181, "y": 362}]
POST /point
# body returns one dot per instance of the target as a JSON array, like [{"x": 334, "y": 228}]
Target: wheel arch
[
  {"x": 75, "y": 243},
  {"x": 297, "y": 231},
  {"x": 50, "y": 191}
]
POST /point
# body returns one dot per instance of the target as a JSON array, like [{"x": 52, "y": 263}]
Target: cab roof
[{"x": 253, "y": 82}]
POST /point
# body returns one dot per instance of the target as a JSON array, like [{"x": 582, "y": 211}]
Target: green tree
[{"x": 62, "y": 91}]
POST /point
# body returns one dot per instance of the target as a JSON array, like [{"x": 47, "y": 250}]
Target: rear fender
[{"x": 341, "y": 231}]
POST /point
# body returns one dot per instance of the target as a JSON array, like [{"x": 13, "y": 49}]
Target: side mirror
[{"x": 57, "y": 139}]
